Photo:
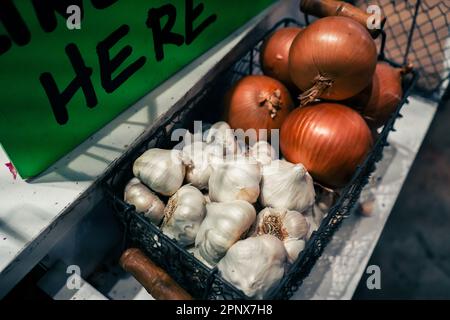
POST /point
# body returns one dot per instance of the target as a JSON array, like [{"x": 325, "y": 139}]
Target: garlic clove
[
  {"x": 312, "y": 227},
  {"x": 318, "y": 214},
  {"x": 195, "y": 252},
  {"x": 222, "y": 136},
  {"x": 183, "y": 215},
  {"x": 254, "y": 265},
  {"x": 218, "y": 133},
  {"x": 293, "y": 248},
  {"x": 286, "y": 185},
  {"x": 196, "y": 158},
  {"x": 295, "y": 225},
  {"x": 191, "y": 138},
  {"x": 144, "y": 200},
  {"x": 291, "y": 227},
  {"x": 225, "y": 223},
  {"x": 325, "y": 197},
  {"x": 235, "y": 180},
  {"x": 262, "y": 152},
  {"x": 214, "y": 246},
  {"x": 207, "y": 199},
  {"x": 314, "y": 218},
  {"x": 161, "y": 170}
]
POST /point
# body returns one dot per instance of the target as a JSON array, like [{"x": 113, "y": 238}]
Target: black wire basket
[
  {"x": 418, "y": 32},
  {"x": 199, "y": 280}
]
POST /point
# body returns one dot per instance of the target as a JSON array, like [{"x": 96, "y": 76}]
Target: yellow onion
[
  {"x": 380, "y": 99},
  {"x": 334, "y": 58},
  {"x": 257, "y": 102},
  {"x": 275, "y": 54},
  {"x": 329, "y": 139}
]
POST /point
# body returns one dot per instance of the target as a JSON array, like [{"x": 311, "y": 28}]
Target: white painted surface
[{"x": 54, "y": 283}]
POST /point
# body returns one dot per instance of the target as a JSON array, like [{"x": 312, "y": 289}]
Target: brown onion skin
[
  {"x": 336, "y": 48},
  {"x": 380, "y": 99},
  {"x": 243, "y": 109},
  {"x": 329, "y": 139},
  {"x": 275, "y": 54}
]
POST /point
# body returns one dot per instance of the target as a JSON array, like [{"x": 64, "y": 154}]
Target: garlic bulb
[
  {"x": 221, "y": 135},
  {"x": 286, "y": 185},
  {"x": 196, "y": 158},
  {"x": 225, "y": 223},
  {"x": 291, "y": 227},
  {"x": 144, "y": 200},
  {"x": 161, "y": 170},
  {"x": 262, "y": 152},
  {"x": 254, "y": 265},
  {"x": 183, "y": 215},
  {"x": 235, "y": 180}
]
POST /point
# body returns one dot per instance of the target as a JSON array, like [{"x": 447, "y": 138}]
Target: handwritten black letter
[
  {"x": 108, "y": 65},
  {"x": 192, "y": 14},
  {"x": 164, "y": 35},
  {"x": 59, "y": 100},
  {"x": 14, "y": 25}
]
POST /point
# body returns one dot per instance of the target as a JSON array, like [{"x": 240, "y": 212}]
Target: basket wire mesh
[{"x": 418, "y": 32}]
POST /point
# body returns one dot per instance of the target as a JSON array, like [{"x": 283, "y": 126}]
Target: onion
[
  {"x": 380, "y": 99},
  {"x": 329, "y": 139},
  {"x": 257, "y": 102},
  {"x": 333, "y": 58},
  {"x": 275, "y": 54}
]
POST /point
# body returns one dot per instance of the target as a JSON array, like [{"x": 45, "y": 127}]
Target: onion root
[
  {"x": 271, "y": 101},
  {"x": 321, "y": 84}
]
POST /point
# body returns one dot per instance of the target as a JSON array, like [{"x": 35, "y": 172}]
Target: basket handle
[
  {"x": 326, "y": 8},
  {"x": 154, "y": 279}
]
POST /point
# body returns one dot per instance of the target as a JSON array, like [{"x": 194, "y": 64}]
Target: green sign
[{"x": 66, "y": 72}]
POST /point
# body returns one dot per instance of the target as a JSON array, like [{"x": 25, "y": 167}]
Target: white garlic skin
[
  {"x": 325, "y": 200},
  {"x": 289, "y": 226},
  {"x": 318, "y": 214},
  {"x": 145, "y": 201},
  {"x": 225, "y": 223},
  {"x": 235, "y": 180},
  {"x": 196, "y": 157},
  {"x": 314, "y": 218},
  {"x": 183, "y": 215},
  {"x": 286, "y": 185},
  {"x": 312, "y": 226},
  {"x": 262, "y": 152},
  {"x": 222, "y": 136},
  {"x": 207, "y": 199},
  {"x": 194, "y": 251},
  {"x": 254, "y": 265},
  {"x": 295, "y": 224},
  {"x": 293, "y": 248},
  {"x": 190, "y": 138},
  {"x": 161, "y": 170}
]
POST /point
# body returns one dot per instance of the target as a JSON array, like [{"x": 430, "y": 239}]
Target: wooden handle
[
  {"x": 154, "y": 279},
  {"x": 326, "y": 8}
]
